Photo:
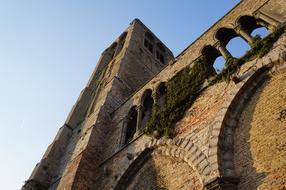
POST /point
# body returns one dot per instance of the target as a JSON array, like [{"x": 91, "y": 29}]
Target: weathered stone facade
[{"x": 232, "y": 137}]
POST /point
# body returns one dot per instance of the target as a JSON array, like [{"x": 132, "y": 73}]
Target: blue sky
[{"x": 48, "y": 50}]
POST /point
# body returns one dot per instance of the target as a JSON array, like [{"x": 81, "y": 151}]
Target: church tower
[
  {"x": 206, "y": 130},
  {"x": 82, "y": 143}
]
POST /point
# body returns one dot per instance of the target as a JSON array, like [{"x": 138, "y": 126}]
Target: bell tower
[{"x": 70, "y": 161}]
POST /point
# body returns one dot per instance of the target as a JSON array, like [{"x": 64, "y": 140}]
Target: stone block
[
  {"x": 189, "y": 146},
  {"x": 203, "y": 164},
  {"x": 184, "y": 143}
]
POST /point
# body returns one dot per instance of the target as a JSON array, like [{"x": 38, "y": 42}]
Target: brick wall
[
  {"x": 260, "y": 138},
  {"x": 165, "y": 173}
]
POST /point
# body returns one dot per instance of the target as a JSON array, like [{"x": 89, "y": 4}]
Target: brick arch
[
  {"x": 248, "y": 23},
  {"x": 225, "y": 34},
  {"x": 160, "y": 94},
  {"x": 210, "y": 54},
  {"x": 145, "y": 93},
  {"x": 180, "y": 148},
  {"x": 131, "y": 123},
  {"x": 159, "y": 84},
  {"x": 126, "y": 176},
  {"x": 222, "y": 135},
  {"x": 214, "y": 33}
]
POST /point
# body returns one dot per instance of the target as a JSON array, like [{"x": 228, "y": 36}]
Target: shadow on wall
[
  {"x": 141, "y": 174},
  {"x": 244, "y": 158},
  {"x": 154, "y": 171}
]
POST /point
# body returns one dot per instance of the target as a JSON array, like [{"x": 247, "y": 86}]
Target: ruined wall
[
  {"x": 260, "y": 139},
  {"x": 208, "y": 147},
  {"x": 204, "y": 123}
]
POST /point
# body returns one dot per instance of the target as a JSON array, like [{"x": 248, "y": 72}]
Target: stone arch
[
  {"x": 180, "y": 148},
  {"x": 233, "y": 41},
  {"x": 221, "y": 139},
  {"x": 131, "y": 123},
  {"x": 224, "y": 35},
  {"x": 124, "y": 180},
  {"x": 161, "y": 94},
  {"x": 147, "y": 102},
  {"x": 185, "y": 149},
  {"x": 249, "y": 23},
  {"x": 211, "y": 54}
]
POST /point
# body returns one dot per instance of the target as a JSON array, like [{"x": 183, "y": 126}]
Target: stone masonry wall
[
  {"x": 89, "y": 154},
  {"x": 260, "y": 139},
  {"x": 161, "y": 172},
  {"x": 201, "y": 126}
]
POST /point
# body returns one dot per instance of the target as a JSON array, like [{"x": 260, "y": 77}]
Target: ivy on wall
[
  {"x": 182, "y": 91},
  {"x": 185, "y": 86}
]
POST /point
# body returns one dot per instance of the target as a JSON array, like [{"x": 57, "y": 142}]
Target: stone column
[
  {"x": 272, "y": 23},
  {"x": 123, "y": 126},
  {"x": 266, "y": 25},
  {"x": 139, "y": 117},
  {"x": 155, "y": 97},
  {"x": 244, "y": 35},
  {"x": 224, "y": 52}
]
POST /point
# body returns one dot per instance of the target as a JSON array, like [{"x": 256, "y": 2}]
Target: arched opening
[
  {"x": 161, "y": 94},
  {"x": 224, "y": 35},
  {"x": 238, "y": 47},
  {"x": 235, "y": 44},
  {"x": 252, "y": 27},
  {"x": 131, "y": 125},
  {"x": 260, "y": 32},
  {"x": 149, "y": 41},
  {"x": 151, "y": 170},
  {"x": 219, "y": 64},
  {"x": 213, "y": 57},
  {"x": 147, "y": 104}
]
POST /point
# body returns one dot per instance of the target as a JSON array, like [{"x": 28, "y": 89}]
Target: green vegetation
[
  {"x": 185, "y": 86},
  {"x": 182, "y": 90}
]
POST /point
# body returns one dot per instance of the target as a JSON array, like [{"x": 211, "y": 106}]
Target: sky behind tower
[{"x": 48, "y": 50}]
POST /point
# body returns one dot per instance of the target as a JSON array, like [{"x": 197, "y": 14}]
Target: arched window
[
  {"x": 237, "y": 47},
  {"x": 131, "y": 125},
  {"x": 252, "y": 26},
  {"x": 161, "y": 94},
  {"x": 213, "y": 57},
  {"x": 260, "y": 32},
  {"x": 147, "y": 104},
  {"x": 219, "y": 64},
  {"x": 235, "y": 44},
  {"x": 224, "y": 35}
]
